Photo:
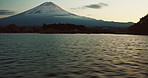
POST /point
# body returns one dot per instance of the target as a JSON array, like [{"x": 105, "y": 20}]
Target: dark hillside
[{"x": 141, "y": 27}]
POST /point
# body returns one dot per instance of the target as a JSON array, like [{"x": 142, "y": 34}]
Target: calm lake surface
[{"x": 73, "y": 56}]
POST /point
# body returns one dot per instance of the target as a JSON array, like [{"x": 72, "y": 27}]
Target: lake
[{"x": 30, "y": 55}]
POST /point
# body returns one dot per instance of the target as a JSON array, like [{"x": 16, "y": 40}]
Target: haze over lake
[{"x": 73, "y": 56}]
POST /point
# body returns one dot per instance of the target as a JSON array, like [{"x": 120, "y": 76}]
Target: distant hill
[
  {"x": 141, "y": 27},
  {"x": 50, "y": 13}
]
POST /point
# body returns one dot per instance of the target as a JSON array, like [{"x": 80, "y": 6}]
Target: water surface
[{"x": 73, "y": 56}]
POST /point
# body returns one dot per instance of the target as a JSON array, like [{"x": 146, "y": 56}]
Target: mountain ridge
[
  {"x": 141, "y": 26},
  {"x": 50, "y": 13}
]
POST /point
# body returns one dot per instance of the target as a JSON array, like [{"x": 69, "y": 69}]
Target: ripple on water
[{"x": 73, "y": 56}]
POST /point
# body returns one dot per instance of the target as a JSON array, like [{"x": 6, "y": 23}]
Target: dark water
[{"x": 73, "y": 56}]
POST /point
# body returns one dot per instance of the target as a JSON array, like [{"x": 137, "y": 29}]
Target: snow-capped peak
[
  {"x": 47, "y": 8},
  {"x": 50, "y": 4}
]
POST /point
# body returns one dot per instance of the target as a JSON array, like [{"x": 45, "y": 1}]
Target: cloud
[
  {"x": 92, "y": 6},
  {"x": 96, "y": 6},
  {"x": 6, "y": 12}
]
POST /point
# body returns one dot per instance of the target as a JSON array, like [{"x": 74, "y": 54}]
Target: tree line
[{"x": 53, "y": 28}]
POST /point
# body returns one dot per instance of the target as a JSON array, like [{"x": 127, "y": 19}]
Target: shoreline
[{"x": 76, "y": 33}]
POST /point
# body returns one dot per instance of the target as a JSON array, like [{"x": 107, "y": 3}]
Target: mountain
[
  {"x": 141, "y": 27},
  {"x": 50, "y": 13}
]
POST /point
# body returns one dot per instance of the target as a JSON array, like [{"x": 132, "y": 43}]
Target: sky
[{"x": 108, "y": 10}]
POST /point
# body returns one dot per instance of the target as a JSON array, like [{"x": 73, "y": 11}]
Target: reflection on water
[{"x": 73, "y": 56}]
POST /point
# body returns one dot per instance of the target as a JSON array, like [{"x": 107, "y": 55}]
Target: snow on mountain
[
  {"x": 50, "y": 13},
  {"x": 47, "y": 8}
]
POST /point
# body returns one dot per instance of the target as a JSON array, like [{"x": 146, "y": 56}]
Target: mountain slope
[
  {"x": 50, "y": 13},
  {"x": 141, "y": 26}
]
